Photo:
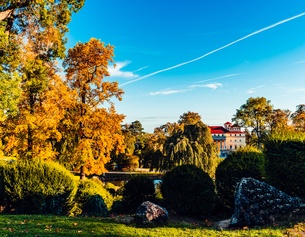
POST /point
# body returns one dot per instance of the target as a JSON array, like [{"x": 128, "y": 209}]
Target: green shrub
[
  {"x": 286, "y": 164},
  {"x": 36, "y": 187},
  {"x": 188, "y": 190},
  {"x": 119, "y": 207},
  {"x": 95, "y": 206},
  {"x": 137, "y": 190},
  {"x": 92, "y": 199},
  {"x": 246, "y": 162}
]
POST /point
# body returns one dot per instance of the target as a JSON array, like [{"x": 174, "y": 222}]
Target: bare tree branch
[{"x": 5, "y": 14}]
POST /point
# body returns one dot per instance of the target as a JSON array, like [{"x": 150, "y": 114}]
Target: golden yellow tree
[
  {"x": 32, "y": 37},
  {"x": 27, "y": 133},
  {"x": 30, "y": 133},
  {"x": 96, "y": 128}
]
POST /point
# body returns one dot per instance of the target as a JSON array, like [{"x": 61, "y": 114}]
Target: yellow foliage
[{"x": 97, "y": 129}]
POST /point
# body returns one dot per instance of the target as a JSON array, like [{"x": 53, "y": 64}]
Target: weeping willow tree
[{"x": 192, "y": 144}]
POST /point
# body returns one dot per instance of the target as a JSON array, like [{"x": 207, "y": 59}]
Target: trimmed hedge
[
  {"x": 286, "y": 164},
  {"x": 246, "y": 162},
  {"x": 36, "y": 187},
  {"x": 188, "y": 190}
]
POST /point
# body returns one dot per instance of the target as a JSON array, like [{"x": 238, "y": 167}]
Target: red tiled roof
[
  {"x": 218, "y": 130},
  {"x": 221, "y": 130}
]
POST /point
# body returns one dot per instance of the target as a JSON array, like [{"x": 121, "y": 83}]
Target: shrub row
[
  {"x": 39, "y": 187},
  {"x": 286, "y": 164},
  {"x": 48, "y": 188},
  {"x": 281, "y": 163}
]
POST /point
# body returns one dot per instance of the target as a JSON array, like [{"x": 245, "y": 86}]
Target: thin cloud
[
  {"x": 216, "y": 50},
  {"x": 154, "y": 117},
  {"x": 116, "y": 71},
  {"x": 221, "y": 77},
  {"x": 166, "y": 92},
  {"x": 212, "y": 86},
  {"x": 189, "y": 88},
  {"x": 140, "y": 69},
  {"x": 253, "y": 90}
]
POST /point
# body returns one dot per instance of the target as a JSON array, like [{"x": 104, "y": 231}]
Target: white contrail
[{"x": 215, "y": 50}]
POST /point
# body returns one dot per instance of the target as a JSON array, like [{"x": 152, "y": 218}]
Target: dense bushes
[
  {"x": 188, "y": 190},
  {"x": 39, "y": 187},
  {"x": 48, "y": 188},
  {"x": 92, "y": 199},
  {"x": 245, "y": 162},
  {"x": 286, "y": 163},
  {"x": 36, "y": 188},
  {"x": 136, "y": 191}
]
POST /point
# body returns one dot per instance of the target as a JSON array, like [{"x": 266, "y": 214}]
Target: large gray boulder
[
  {"x": 150, "y": 213},
  {"x": 257, "y": 203}
]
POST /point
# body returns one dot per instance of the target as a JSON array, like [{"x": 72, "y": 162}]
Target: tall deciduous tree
[
  {"x": 31, "y": 39},
  {"x": 9, "y": 78},
  {"x": 153, "y": 152},
  {"x": 29, "y": 133},
  {"x": 255, "y": 114},
  {"x": 127, "y": 158},
  {"x": 189, "y": 118},
  {"x": 19, "y": 14},
  {"x": 97, "y": 129},
  {"x": 280, "y": 120},
  {"x": 298, "y": 118}
]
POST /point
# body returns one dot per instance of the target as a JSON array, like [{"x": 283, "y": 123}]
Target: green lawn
[{"x": 39, "y": 226}]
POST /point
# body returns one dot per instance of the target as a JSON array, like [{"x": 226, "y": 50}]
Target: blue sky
[{"x": 208, "y": 57}]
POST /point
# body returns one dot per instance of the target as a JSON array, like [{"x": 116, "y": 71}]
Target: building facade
[{"x": 228, "y": 138}]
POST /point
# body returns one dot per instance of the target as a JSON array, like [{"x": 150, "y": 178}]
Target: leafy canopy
[{"x": 96, "y": 129}]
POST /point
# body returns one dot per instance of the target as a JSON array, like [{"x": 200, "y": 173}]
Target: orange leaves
[
  {"x": 86, "y": 66},
  {"x": 65, "y": 120},
  {"x": 41, "y": 118},
  {"x": 96, "y": 129}
]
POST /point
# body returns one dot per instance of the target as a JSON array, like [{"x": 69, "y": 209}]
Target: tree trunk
[
  {"x": 30, "y": 143},
  {"x": 30, "y": 130},
  {"x": 82, "y": 173}
]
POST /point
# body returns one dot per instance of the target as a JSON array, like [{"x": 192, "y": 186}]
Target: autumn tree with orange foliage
[
  {"x": 96, "y": 128},
  {"x": 36, "y": 30}
]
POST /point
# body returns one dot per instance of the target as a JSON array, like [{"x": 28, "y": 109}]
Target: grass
[{"x": 42, "y": 226}]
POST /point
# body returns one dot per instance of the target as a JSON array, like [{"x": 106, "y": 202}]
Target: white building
[{"x": 228, "y": 138}]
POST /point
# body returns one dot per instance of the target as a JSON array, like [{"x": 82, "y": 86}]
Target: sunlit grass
[{"x": 34, "y": 225}]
